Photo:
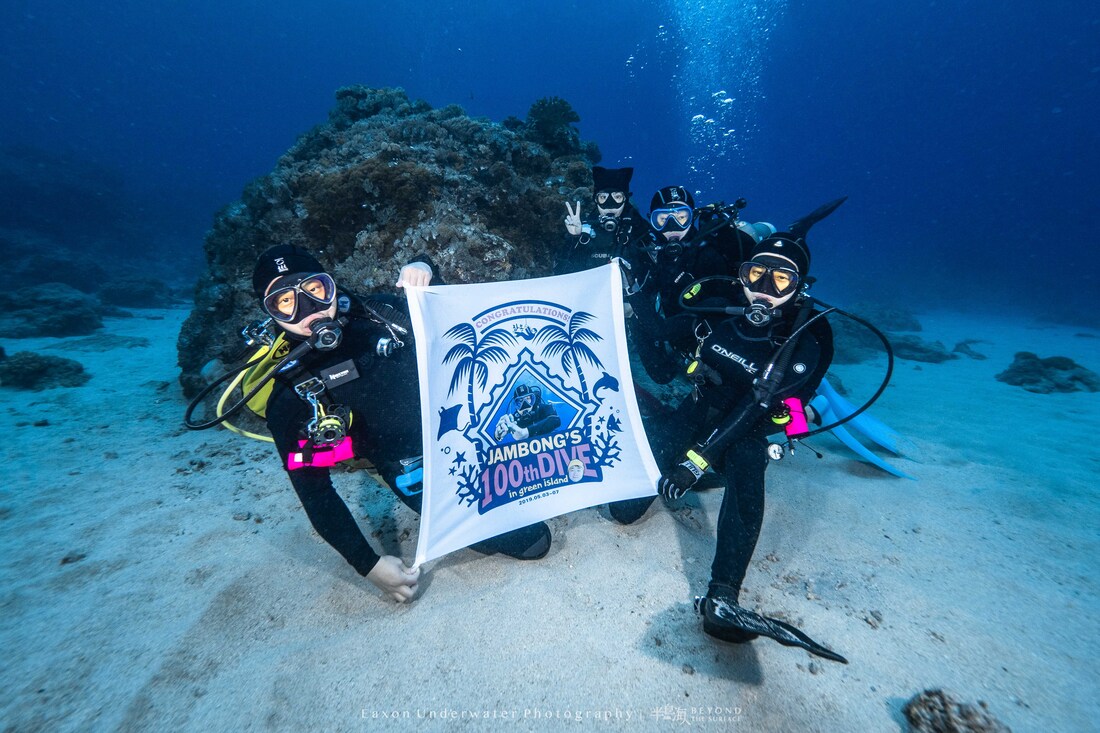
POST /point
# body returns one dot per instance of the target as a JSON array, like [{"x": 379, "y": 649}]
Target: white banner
[{"x": 528, "y": 405}]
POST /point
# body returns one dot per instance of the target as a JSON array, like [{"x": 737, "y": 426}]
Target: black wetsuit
[
  {"x": 732, "y": 428},
  {"x": 662, "y": 270},
  {"x": 385, "y": 428},
  {"x": 584, "y": 252},
  {"x": 540, "y": 420}
]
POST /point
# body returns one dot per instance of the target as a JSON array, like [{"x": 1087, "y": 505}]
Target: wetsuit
[
  {"x": 663, "y": 269},
  {"x": 538, "y": 421},
  {"x": 385, "y": 406},
  {"x": 732, "y": 427},
  {"x": 384, "y": 400},
  {"x": 583, "y": 252}
]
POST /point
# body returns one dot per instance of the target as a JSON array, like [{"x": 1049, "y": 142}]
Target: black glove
[{"x": 679, "y": 480}]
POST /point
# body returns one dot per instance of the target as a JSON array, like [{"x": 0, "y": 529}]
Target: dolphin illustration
[{"x": 606, "y": 381}]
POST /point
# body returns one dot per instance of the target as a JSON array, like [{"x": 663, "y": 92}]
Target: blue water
[{"x": 965, "y": 133}]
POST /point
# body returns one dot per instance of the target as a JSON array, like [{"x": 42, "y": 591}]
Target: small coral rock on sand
[{"x": 937, "y": 711}]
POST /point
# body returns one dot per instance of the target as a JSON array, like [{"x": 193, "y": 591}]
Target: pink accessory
[
  {"x": 323, "y": 457},
  {"x": 798, "y": 424}
]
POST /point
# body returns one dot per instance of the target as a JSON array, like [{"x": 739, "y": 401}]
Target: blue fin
[
  {"x": 874, "y": 430},
  {"x": 405, "y": 480},
  {"x": 822, "y": 405}
]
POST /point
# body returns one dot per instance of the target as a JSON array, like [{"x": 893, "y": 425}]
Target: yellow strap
[
  {"x": 698, "y": 460},
  {"x": 225, "y": 397}
]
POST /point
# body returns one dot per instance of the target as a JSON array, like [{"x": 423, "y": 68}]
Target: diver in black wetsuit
[
  {"x": 618, "y": 225},
  {"x": 758, "y": 343},
  {"x": 683, "y": 245},
  {"x": 530, "y": 417},
  {"x": 367, "y": 382}
]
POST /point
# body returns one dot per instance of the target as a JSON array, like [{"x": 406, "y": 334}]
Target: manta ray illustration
[{"x": 448, "y": 420}]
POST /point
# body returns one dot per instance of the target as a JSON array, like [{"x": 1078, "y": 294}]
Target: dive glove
[{"x": 683, "y": 477}]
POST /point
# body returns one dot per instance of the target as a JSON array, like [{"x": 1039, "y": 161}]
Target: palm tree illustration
[
  {"x": 571, "y": 345},
  {"x": 473, "y": 357}
]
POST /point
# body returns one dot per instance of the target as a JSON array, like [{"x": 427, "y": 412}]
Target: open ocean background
[
  {"x": 154, "y": 578},
  {"x": 965, "y": 133}
]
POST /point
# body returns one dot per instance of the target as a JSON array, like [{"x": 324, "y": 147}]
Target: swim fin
[
  {"x": 832, "y": 407},
  {"x": 841, "y": 433},
  {"x": 800, "y": 227},
  {"x": 731, "y": 622},
  {"x": 875, "y": 430}
]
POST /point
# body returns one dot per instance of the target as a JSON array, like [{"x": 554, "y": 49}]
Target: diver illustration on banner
[{"x": 529, "y": 405}]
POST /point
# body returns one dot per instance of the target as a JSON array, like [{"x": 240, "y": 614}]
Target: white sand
[{"x": 181, "y": 617}]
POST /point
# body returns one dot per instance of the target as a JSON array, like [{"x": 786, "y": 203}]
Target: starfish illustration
[
  {"x": 460, "y": 458},
  {"x": 452, "y": 471}
]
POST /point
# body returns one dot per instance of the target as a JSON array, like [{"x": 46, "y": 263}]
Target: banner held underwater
[{"x": 528, "y": 405}]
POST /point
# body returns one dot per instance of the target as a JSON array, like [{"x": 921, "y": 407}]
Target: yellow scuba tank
[{"x": 264, "y": 360}]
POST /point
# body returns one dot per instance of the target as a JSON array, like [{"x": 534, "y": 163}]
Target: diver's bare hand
[
  {"x": 415, "y": 274},
  {"x": 573, "y": 219},
  {"x": 394, "y": 578}
]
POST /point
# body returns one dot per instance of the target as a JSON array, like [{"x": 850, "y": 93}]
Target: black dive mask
[
  {"x": 613, "y": 200},
  {"x": 298, "y": 296}
]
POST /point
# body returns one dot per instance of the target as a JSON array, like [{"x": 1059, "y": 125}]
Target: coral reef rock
[
  {"x": 856, "y": 343},
  {"x": 1052, "y": 374},
  {"x": 384, "y": 180},
  {"x": 49, "y": 309},
  {"x": 915, "y": 348},
  {"x": 28, "y": 370},
  {"x": 937, "y": 711},
  {"x": 963, "y": 347},
  {"x": 31, "y": 257},
  {"x": 853, "y": 342},
  {"x": 136, "y": 291}
]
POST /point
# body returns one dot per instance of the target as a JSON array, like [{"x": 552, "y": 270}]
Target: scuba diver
[
  {"x": 618, "y": 224},
  {"x": 684, "y": 244},
  {"x": 530, "y": 416},
  {"x": 346, "y": 388},
  {"x": 761, "y": 349}
]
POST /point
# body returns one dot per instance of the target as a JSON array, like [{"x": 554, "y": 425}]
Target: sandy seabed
[{"x": 160, "y": 579}]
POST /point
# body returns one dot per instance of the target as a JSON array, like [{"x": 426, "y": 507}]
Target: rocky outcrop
[
  {"x": 49, "y": 309},
  {"x": 1052, "y": 374},
  {"x": 386, "y": 179},
  {"x": 31, "y": 371}
]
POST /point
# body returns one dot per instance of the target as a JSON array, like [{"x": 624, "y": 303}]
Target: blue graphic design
[{"x": 521, "y": 365}]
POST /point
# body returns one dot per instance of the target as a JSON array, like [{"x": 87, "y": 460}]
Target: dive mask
[
  {"x": 676, "y": 218},
  {"x": 758, "y": 277},
  {"x": 295, "y": 297}
]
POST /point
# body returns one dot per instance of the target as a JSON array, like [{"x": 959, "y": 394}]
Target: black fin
[
  {"x": 784, "y": 633},
  {"x": 801, "y": 226}
]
